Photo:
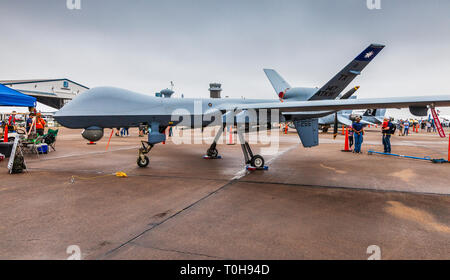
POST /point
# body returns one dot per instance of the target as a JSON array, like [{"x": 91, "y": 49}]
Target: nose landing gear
[{"x": 143, "y": 160}]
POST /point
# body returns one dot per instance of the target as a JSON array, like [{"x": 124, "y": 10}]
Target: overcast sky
[{"x": 142, "y": 45}]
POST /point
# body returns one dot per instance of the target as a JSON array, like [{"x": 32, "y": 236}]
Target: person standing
[
  {"x": 350, "y": 136},
  {"x": 124, "y": 132},
  {"x": 406, "y": 128},
  {"x": 400, "y": 127},
  {"x": 358, "y": 130},
  {"x": 388, "y": 130},
  {"x": 383, "y": 132},
  {"x": 40, "y": 124},
  {"x": 12, "y": 122},
  {"x": 29, "y": 123}
]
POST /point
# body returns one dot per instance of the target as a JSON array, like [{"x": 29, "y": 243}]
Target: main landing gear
[
  {"x": 143, "y": 160},
  {"x": 256, "y": 161},
  {"x": 252, "y": 161},
  {"x": 212, "y": 152}
]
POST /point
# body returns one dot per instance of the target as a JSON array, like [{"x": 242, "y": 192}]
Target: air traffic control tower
[{"x": 214, "y": 90}]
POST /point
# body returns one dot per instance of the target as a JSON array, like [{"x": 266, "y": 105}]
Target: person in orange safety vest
[{"x": 40, "y": 124}]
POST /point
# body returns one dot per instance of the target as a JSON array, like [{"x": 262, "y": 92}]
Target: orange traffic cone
[
  {"x": 448, "y": 148},
  {"x": 5, "y": 136},
  {"x": 230, "y": 136},
  {"x": 346, "y": 146}
]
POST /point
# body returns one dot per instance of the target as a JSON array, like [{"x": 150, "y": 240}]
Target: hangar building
[{"x": 51, "y": 92}]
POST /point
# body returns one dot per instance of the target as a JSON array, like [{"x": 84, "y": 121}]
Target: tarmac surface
[{"x": 317, "y": 203}]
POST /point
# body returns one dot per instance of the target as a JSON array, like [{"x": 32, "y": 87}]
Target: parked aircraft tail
[
  {"x": 375, "y": 113},
  {"x": 279, "y": 84},
  {"x": 342, "y": 79}
]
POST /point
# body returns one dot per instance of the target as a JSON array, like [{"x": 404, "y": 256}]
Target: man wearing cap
[
  {"x": 387, "y": 130},
  {"x": 358, "y": 132}
]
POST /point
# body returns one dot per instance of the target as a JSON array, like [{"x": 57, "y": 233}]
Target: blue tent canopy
[{"x": 10, "y": 97}]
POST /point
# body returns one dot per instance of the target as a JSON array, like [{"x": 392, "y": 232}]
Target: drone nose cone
[{"x": 107, "y": 107}]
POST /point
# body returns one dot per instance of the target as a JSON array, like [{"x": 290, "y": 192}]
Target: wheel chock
[
  {"x": 208, "y": 157},
  {"x": 121, "y": 174},
  {"x": 252, "y": 168}
]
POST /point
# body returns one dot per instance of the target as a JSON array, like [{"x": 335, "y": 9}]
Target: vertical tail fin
[
  {"x": 342, "y": 79},
  {"x": 278, "y": 83},
  {"x": 375, "y": 113}
]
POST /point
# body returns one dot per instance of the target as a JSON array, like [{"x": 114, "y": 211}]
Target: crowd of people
[
  {"x": 388, "y": 129},
  {"x": 34, "y": 123},
  {"x": 404, "y": 126}
]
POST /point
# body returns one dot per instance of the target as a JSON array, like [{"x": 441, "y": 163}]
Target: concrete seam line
[
  {"x": 168, "y": 218},
  {"x": 176, "y": 251},
  {"x": 344, "y": 188},
  {"x": 187, "y": 207}
]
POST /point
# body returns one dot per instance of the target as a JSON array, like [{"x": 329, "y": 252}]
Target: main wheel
[
  {"x": 213, "y": 153},
  {"x": 257, "y": 161},
  {"x": 143, "y": 162}
]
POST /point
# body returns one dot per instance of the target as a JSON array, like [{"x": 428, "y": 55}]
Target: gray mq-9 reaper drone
[{"x": 107, "y": 107}]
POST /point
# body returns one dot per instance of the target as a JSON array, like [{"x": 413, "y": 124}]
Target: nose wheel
[{"x": 143, "y": 160}]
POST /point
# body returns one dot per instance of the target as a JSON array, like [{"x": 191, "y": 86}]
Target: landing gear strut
[
  {"x": 212, "y": 152},
  {"x": 143, "y": 160},
  {"x": 254, "y": 160}
]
